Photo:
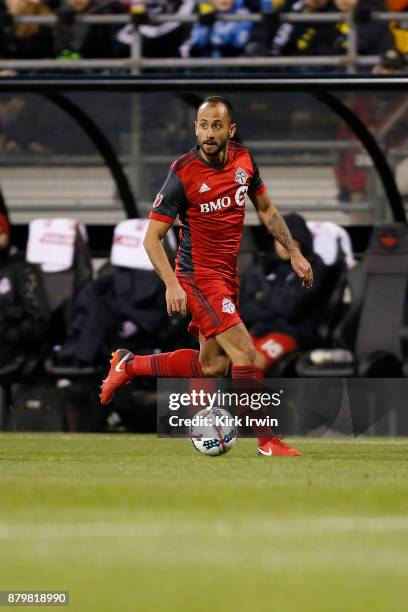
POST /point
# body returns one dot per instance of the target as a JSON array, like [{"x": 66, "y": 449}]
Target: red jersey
[{"x": 210, "y": 202}]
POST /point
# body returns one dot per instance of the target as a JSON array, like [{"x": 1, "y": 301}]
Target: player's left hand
[{"x": 302, "y": 268}]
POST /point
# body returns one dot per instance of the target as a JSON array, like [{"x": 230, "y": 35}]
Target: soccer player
[{"x": 207, "y": 189}]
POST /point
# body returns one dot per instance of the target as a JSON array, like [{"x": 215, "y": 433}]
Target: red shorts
[
  {"x": 274, "y": 346},
  {"x": 213, "y": 302}
]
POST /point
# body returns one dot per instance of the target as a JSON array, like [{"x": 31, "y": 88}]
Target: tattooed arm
[{"x": 276, "y": 225}]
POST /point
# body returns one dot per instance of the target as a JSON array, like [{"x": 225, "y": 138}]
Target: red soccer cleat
[
  {"x": 275, "y": 447},
  {"x": 117, "y": 377}
]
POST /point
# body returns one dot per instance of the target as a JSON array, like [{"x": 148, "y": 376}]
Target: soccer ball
[{"x": 213, "y": 432}]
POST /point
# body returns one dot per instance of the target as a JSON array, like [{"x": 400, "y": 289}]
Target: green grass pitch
[{"x": 130, "y": 522}]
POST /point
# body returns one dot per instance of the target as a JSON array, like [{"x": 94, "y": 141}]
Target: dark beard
[{"x": 216, "y": 152}]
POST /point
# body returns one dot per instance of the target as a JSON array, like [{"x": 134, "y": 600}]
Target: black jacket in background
[
  {"x": 285, "y": 306},
  {"x": 272, "y": 298},
  {"x": 24, "y": 313},
  {"x": 104, "y": 305}
]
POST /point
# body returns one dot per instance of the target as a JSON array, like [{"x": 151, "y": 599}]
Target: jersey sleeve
[
  {"x": 169, "y": 200},
  {"x": 256, "y": 185}
]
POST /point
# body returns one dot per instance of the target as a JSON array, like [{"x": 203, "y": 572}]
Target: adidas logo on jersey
[{"x": 204, "y": 187}]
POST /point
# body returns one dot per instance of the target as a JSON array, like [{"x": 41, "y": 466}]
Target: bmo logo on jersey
[{"x": 226, "y": 201}]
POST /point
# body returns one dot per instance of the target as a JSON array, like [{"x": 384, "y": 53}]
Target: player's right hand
[{"x": 176, "y": 300}]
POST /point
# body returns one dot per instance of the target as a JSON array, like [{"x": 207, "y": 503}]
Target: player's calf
[
  {"x": 216, "y": 367},
  {"x": 184, "y": 363}
]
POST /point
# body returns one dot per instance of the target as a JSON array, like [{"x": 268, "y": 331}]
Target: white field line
[{"x": 303, "y": 527}]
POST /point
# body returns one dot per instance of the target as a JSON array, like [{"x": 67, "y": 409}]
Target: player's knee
[{"x": 216, "y": 367}]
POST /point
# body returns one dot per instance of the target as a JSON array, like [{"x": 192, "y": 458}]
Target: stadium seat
[
  {"x": 128, "y": 267},
  {"x": 58, "y": 248},
  {"x": 128, "y": 253},
  {"x": 127, "y": 270},
  {"x": 372, "y": 330},
  {"x": 331, "y": 242}
]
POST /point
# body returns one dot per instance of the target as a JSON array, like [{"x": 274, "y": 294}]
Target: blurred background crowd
[{"x": 66, "y": 37}]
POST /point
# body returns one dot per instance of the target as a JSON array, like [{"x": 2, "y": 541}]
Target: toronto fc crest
[
  {"x": 228, "y": 306},
  {"x": 241, "y": 176}
]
